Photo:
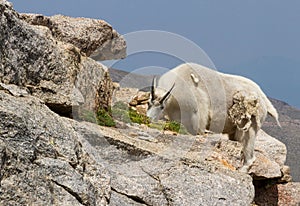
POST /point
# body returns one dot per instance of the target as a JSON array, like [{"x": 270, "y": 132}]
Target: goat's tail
[{"x": 272, "y": 111}]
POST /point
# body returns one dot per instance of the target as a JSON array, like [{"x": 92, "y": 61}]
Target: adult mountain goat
[{"x": 204, "y": 99}]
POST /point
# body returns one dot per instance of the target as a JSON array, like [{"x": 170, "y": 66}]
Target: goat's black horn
[
  {"x": 153, "y": 88},
  {"x": 166, "y": 95}
]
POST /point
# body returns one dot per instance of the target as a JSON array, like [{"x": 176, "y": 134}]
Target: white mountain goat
[{"x": 204, "y": 99}]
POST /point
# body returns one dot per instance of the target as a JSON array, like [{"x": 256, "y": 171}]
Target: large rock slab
[
  {"x": 154, "y": 168},
  {"x": 43, "y": 160},
  {"x": 143, "y": 177},
  {"x": 53, "y": 66},
  {"x": 95, "y": 38},
  {"x": 214, "y": 148}
]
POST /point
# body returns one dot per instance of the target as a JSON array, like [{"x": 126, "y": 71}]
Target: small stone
[
  {"x": 286, "y": 172},
  {"x": 14, "y": 89},
  {"x": 116, "y": 86},
  {"x": 142, "y": 109},
  {"x": 142, "y": 96},
  {"x": 168, "y": 132},
  {"x": 133, "y": 134}
]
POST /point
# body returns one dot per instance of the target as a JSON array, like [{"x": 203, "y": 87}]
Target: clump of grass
[
  {"x": 138, "y": 118},
  {"x": 104, "y": 118},
  {"x": 101, "y": 117},
  {"x": 175, "y": 126},
  {"x": 172, "y": 126}
]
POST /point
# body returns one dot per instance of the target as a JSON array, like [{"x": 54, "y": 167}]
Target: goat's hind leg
[{"x": 248, "y": 142}]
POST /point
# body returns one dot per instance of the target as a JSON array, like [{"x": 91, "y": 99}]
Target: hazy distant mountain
[
  {"x": 289, "y": 117},
  {"x": 289, "y": 134}
]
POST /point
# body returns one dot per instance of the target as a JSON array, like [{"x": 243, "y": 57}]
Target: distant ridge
[
  {"x": 130, "y": 79},
  {"x": 289, "y": 118},
  {"x": 289, "y": 134}
]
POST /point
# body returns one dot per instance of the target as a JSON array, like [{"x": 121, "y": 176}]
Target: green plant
[
  {"x": 104, "y": 118},
  {"x": 172, "y": 126},
  {"x": 175, "y": 127},
  {"x": 138, "y": 118},
  {"x": 168, "y": 125}
]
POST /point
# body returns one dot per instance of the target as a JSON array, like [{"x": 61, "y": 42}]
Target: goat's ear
[
  {"x": 167, "y": 95},
  {"x": 153, "y": 86}
]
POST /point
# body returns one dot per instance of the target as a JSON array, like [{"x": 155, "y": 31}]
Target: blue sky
[{"x": 257, "y": 39}]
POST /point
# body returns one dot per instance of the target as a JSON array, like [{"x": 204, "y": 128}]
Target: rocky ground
[{"x": 49, "y": 157}]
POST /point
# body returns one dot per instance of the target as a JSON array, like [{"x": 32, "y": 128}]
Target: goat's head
[{"x": 157, "y": 101}]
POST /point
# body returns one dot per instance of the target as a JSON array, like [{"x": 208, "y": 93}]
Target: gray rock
[
  {"x": 209, "y": 188},
  {"x": 270, "y": 157},
  {"x": 42, "y": 158},
  {"x": 140, "y": 177},
  {"x": 95, "y": 38},
  {"x": 271, "y": 147},
  {"x": 215, "y": 148},
  {"x": 214, "y": 155},
  {"x": 50, "y": 67},
  {"x": 14, "y": 89},
  {"x": 119, "y": 199}
]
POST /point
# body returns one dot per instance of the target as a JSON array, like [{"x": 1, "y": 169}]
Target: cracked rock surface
[
  {"x": 141, "y": 177},
  {"x": 42, "y": 159},
  {"x": 95, "y": 38},
  {"x": 52, "y": 64}
]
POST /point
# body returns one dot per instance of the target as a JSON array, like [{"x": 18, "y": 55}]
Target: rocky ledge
[
  {"x": 46, "y": 73},
  {"x": 49, "y": 58},
  {"x": 47, "y": 159}
]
